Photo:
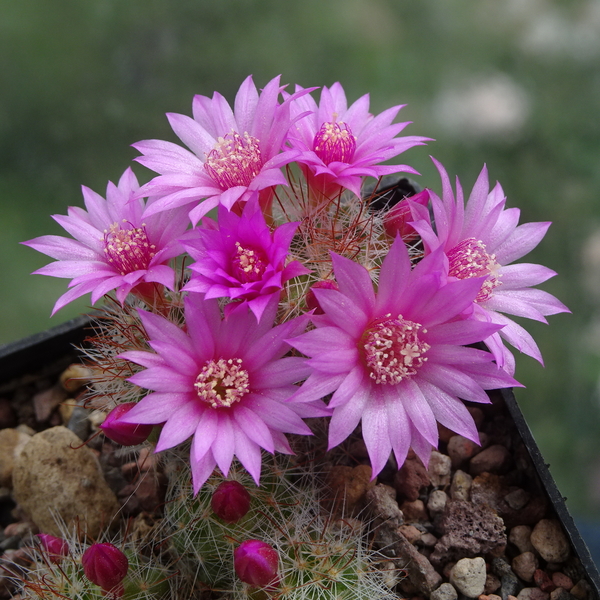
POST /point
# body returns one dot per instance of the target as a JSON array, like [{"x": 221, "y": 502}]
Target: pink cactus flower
[
  {"x": 230, "y": 501},
  {"x": 117, "y": 245},
  {"x": 395, "y": 359},
  {"x": 233, "y": 152},
  {"x": 481, "y": 239},
  {"x": 224, "y": 382},
  {"x": 106, "y": 566},
  {"x": 255, "y": 563},
  {"x": 341, "y": 144},
  {"x": 240, "y": 258},
  {"x": 126, "y": 434}
]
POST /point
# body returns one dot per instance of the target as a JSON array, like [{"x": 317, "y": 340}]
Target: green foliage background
[{"x": 81, "y": 81}]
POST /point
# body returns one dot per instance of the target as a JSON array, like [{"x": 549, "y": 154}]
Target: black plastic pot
[{"x": 54, "y": 349}]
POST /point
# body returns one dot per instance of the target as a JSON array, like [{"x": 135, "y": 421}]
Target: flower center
[
  {"x": 393, "y": 350},
  {"x": 469, "y": 259},
  {"x": 222, "y": 382},
  {"x": 128, "y": 249},
  {"x": 249, "y": 264},
  {"x": 235, "y": 160},
  {"x": 334, "y": 142}
]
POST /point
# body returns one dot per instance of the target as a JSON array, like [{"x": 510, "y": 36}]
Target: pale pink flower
[
  {"x": 341, "y": 144},
  {"x": 481, "y": 239},
  {"x": 395, "y": 360},
  {"x": 225, "y": 383},
  {"x": 117, "y": 245},
  {"x": 232, "y": 152}
]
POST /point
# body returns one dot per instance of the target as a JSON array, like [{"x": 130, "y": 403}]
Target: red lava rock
[
  {"x": 411, "y": 477},
  {"x": 495, "y": 459},
  {"x": 561, "y": 580},
  {"x": 543, "y": 581},
  {"x": 469, "y": 530}
]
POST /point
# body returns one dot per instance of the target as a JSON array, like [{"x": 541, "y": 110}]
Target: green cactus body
[{"x": 319, "y": 557}]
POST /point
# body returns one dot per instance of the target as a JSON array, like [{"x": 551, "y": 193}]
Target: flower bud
[
  {"x": 230, "y": 501},
  {"x": 55, "y": 548},
  {"x": 105, "y": 565},
  {"x": 397, "y": 218},
  {"x": 255, "y": 562},
  {"x": 127, "y": 434},
  {"x": 311, "y": 298}
]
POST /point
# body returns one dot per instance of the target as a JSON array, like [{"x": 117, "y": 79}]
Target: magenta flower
[
  {"x": 230, "y": 501},
  {"x": 341, "y": 144},
  {"x": 395, "y": 359},
  {"x": 224, "y": 382},
  {"x": 233, "y": 153},
  {"x": 255, "y": 563},
  {"x": 117, "y": 245},
  {"x": 126, "y": 434},
  {"x": 106, "y": 566},
  {"x": 55, "y": 548},
  {"x": 241, "y": 259},
  {"x": 481, "y": 239}
]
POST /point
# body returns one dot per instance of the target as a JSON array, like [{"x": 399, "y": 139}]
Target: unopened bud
[
  {"x": 106, "y": 566},
  {"x": 230, "y": 501},
  {"x": 55, "y": 548},
  {"x": 127, "y": 434},
  {"x": 397, "y": 218},
  {"x": 255, "y": 563},
  {"x": 311, "y": 298}
]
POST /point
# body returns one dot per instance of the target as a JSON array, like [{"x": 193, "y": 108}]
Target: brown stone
[
  {"x": 461, "y": 449},
  {"x": 348, "y": 486},
  {"x": 561, "y": 580},
  {"x": 56, "y": 477},
  {"x": 495, "y": 459},
  {"x": 524, "y": 565},
  {"x": 439, "y": 469},
  {"x": 414, "y": 512},
  {"x": 550, "y": 541},
  {"x": 410, "y": 532},
  {"x": 12, "y": 443},
  {"x": 411, "y": 477},
  {"x": 492, "y": 584},
  {"x": 419, "y": 572},
  {"x": 381, "y": 503}
]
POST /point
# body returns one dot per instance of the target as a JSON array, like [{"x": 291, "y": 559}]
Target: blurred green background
[{"x": 515, "y": 84}]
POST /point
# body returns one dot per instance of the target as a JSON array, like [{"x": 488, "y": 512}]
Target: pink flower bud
[
  {"x": 105, "y": 565},
  {"x": 230, "y": 501},
  {"x": 397, "y": 218},
  {"x": 55, "y": 548},
  {"x": 127, "y": 434},
  {"x": 255, "y": 562},
  {"x": 311, "y": 299}
]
